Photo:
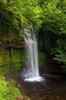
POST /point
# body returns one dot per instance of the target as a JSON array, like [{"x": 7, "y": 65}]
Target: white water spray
[{"x": 32, "y": 71}]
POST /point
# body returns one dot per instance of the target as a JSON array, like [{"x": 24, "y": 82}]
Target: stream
[{"x": 51, "y": 88}]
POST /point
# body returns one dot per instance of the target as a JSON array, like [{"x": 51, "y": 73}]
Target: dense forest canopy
[
  {"x": 54, "y": 28},
  {"x": 49, "y": 18}
]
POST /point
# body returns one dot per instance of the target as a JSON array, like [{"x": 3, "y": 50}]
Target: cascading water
[{"x": 32, "y": 71}]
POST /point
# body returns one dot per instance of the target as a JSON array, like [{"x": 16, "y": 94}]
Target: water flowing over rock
[{"x": 32, "y": 71}]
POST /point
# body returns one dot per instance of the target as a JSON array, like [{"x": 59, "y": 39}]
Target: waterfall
[{"x": 32, "y": 71}]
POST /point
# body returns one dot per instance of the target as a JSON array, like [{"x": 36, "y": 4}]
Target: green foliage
[
  {"x": 7, "y": 91},
  {"x": 8, "y": 64},
  {"x": 4, "y": 56},
  {"x": 19, "y": 12},
  {"x": 53, "y": 28},
  {"x": 54, "y": 17},
  {"x": 28, "y": 98},
  {"x": 60, "y": 51},
  {"x": 12, "y": 82},
  {"x": 42, "y": 59},
  {"x": 5, "y": 70},
  {"x": 49, "y": 16},
  {"x": 18, "y": 56},
  {"x": 60, "y": 56},
  {"x": 18, "y": 59}
]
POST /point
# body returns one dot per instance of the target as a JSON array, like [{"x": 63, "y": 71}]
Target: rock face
[
  {"x": 11, "y": 54},
  {"x": 11, "y": 49}
]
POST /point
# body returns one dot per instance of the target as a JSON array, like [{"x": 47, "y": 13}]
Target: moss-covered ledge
[
  {"x": 14, "y": 59},
  {"x": 11, "y": 44}
]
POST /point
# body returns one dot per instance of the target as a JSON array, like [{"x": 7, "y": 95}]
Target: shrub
[{"x": 7, "y": 91}]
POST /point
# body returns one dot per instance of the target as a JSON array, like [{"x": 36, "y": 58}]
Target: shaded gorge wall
[{"x": 11, "y": 59}]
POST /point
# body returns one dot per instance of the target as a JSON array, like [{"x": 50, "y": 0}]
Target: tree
[{"x": 54, "y": 28}]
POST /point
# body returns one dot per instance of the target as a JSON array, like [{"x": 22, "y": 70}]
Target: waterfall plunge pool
[{"x": 37, "y": 79}]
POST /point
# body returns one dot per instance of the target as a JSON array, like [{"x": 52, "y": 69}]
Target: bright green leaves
[
  {"x": 17, "y": 13},
  {"x": 54, "y": 16},
  {"x": 7, "y": 91},
  {"x": 20, "y": 12},
  {"x": 31, "y": 11},
  {"x": 3, "y": 1}
]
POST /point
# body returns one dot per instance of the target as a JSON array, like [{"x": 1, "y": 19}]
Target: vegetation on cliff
[{"x": 49, "y": 19}]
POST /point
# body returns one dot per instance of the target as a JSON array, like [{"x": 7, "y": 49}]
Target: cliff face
[
  {"x": 12, "y": 57},
  {"x": 12, "y": 50}
]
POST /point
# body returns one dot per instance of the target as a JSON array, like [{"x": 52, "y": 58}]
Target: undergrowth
[{"x": 7, "y": 91}]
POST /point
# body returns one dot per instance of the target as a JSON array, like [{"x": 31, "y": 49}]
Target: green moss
[
  {"x": 4, "y": 56},
  {"x": 18, "y": 58},
  {"x": 4, "y": 70},
  {"x": 42, "y": 59},
  {"x": 9, "y": 63},
  {"x": 12, "y": 82},
  {"x": 1, "y": 61}
]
